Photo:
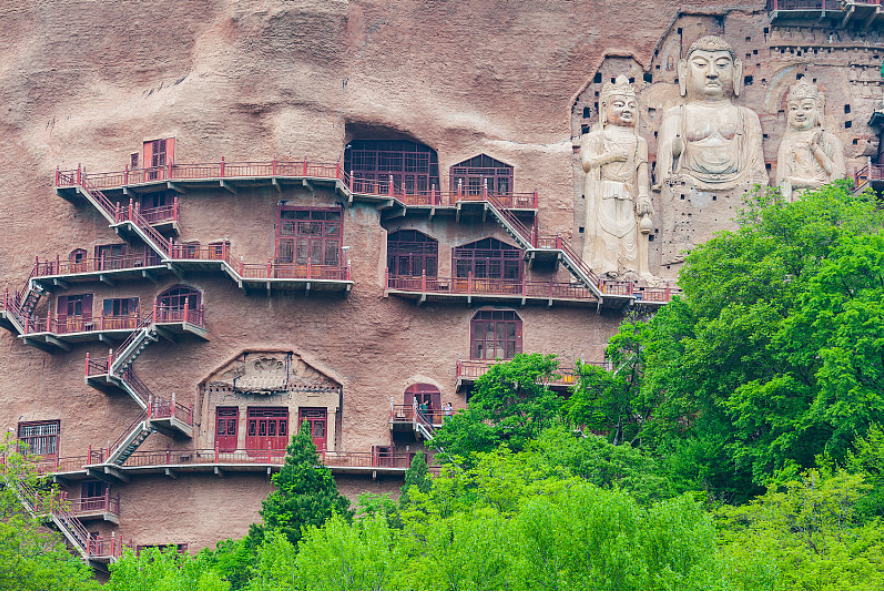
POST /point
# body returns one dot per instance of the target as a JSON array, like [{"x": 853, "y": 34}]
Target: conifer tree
[
  {"x": 416, "y": 476},
  {"x": 306, "y": 493}
]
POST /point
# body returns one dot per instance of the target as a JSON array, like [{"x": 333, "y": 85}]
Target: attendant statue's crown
[
  {"x": 711, "y": 43},
  {"x": 803, "y": 90},
  {"x": 620, "y": 86}
]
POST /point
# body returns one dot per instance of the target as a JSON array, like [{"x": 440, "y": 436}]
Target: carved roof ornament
[{"x": 256, "y": 373}]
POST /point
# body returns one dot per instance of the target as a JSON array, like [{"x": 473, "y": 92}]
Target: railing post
[
  {"x": 223, "y": 167},
  {"x": 386, "y": 279},
  {"x": 186, "y": 315},
  {"x": 150, "y": 406},
  {"x": 169, "y": 174},
  {"x": 87, "y": 364},
  {"x": 338, "y": 170},
  {"x": 269, "y": 267},
  {"x": 459, "y": 188},
  {"x": 273, "y": 166},
  {"x": 242, "y": 266},
  {"x": 56, "y": 176},
  {"x": 155, "y": 312},
  {"x": 433, "y": 194},
  {"x": 550, "y": 286},
  {"x": 57, "y": 263},
  {"x": 391, "y": 191},
  {"x": 172, "y": 411},
  {"x": 309, "y": 269},
  {"x": 168, "y": 455},
  {"x": 107, "y": 499},
  {"x": 535, "y": 198},
  {"x": 79, "y": 174},
  {"x": 175, "y": 208},
  {"x": 668, "y": 295},
  {"x": 305, "y": 166},
  {"x": 485, "y": 189},
  {"x": 424, "y": 281},
  {"x": 131, "y": 208},
  {"x": 268, "y": 451},
  {"x": 126, "y": 175},
  {"x": 216, "y": 453}
]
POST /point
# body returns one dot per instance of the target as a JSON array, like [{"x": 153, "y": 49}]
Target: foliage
[
  {"x": 306, "y": 493},
  {"x": 165, "y": 570},
  {"x": 509, "y": 404},
  {"x": 773, "y": 355},
  {"x": 32, "y": 557},
  {"x": 416, "y": 476},
  {"x": 805, "y": 535}
]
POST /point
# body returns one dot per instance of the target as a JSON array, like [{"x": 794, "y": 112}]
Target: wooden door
[
  {"x": 226, "y": 425},
  {"x": 158, "y": 154},
  {"x": 268, "y": 428},
  {"x": 316, "y": 418}
]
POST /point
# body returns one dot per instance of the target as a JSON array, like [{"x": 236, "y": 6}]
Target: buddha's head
[
  {"x": 710, "y": 72},
  {"x": 618, "y": 103},
  {"x": 805, "y": 105}
]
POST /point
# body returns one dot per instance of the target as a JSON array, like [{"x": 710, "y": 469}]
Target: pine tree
[
  {"x": 306, "y": 493},
  {"x": 416, "y": 476}
]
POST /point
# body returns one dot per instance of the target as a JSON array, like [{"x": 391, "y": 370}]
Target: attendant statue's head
[
  {"x": 711, "y": 71},
  {"x": 618, "y": 103},
  {"x": 805, "y": 105}
]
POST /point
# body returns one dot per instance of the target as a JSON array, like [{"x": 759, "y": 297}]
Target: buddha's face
[
  {"x": 803, "y": 114},
  {"x": 710, "y": 75},
  {"x": 621, "y": 110}
]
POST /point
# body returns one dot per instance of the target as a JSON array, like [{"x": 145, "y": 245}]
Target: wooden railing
[
  {"x": 233, "y": 170},
  {"x": 473, "y": 369},
  {"x": 95, "y": 264},
  {"x": 488, "y": 286},
  {"x": 96, "y": 504},
  {"x": 173, "y": 457}
]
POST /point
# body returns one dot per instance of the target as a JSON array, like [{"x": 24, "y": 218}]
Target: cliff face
[{"x": 87, "y": 82}]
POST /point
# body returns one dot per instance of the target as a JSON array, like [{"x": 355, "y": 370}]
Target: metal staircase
[{"x": 130, "y": 440}]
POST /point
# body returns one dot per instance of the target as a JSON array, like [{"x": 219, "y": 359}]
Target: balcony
[
  {"x": 277, "y": 276},
  {"x": 105, "y": 508},
  {"x": 869, "y": 176},
  {"x": 469, "y": 289},
  {"x": 867, "y": 12},
  {"x": 233, "y": 176},
  {"x": 467, "y": 371},
  {"x": 63, "y": 272}
]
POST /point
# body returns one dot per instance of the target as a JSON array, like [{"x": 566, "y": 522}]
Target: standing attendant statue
[
  {"x": 809, "y": 156},
  {"x": 615, "y": 159},
  {"x": 708, "y": 141}
]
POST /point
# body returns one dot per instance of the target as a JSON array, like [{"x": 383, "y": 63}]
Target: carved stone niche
[{"x": 260, "y": 373}]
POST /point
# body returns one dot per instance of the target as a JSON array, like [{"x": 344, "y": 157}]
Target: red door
[
  {"x": 226, "y": 424},
  {"x": 316, "y": 418},
  {"x": 268, "y": 428},
  {"x": 157, "y": 155}
]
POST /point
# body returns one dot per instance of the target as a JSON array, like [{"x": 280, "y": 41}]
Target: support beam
[
  {"x": 57, "y": 343},
  {"x": 163, "y": 332},
  {"x": 171, "y": 473},
  {"x": 219, "y": 472},
  {"x": 308, "y": 185},
  {"x": 228, "y": 186},
  {"x": 57, "y": 282},
  {"x": 104, "y": 339},
  {"x": 150, "y": 276},
  {"x": 175, "y": 270},
  {"x": 116, "y": 473},
  {"x": 276, "y": 185},
  {"x": 175, "y": 187},
  {"x": 106, "y": 279}
]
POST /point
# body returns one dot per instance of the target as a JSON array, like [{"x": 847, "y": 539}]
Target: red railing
[
  {"x": 95, "y": 264},
  {"x": 61, "y": 464},
  {"x": 473, "y": 369},
  {"x": 97, "y": 504},
  {"x": 80, "y": 324},
  {"x": 489, "y": 286},
  {"x": 230, "y": 170},
  {"x": 367, "y": 459},
  {"x": 98, "y": 366},
  {"x": 407, "y": 413},
  {"x": 105, "y": 547},
  {"x": 815, "y": 4},
  {"x": 185, "y": 314},
  {"x": 162, "y": 214},
  {"x": 160, "y": 409},
  {"x": 866, "y": 173}
]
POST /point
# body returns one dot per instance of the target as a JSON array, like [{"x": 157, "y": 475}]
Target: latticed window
[
  {"x": 311, "y": 235},
  {"x": 41, "y": 438},
  {"x": 488, "y": 258},
  {"x": 414, "y": 167},
  {"x": 495, "y": 334},
  {"x": 412, "y": 253},
  {"x": 177, "y": 296},
  {"x": 472, "y": 176}
]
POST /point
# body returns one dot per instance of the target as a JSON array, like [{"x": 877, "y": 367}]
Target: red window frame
[
  {"x": 495, "y": 333},
  {"x": 309, "y": 235},
  {"x": 488, "y": 258},
  {"x": 125, "y": 307},
  {"x": 412, "y": 253},
  {"x": 472, "y": 175},
  {"x": 414, "y": 167},
  {"x": 175, "y": 296},
  {"x": 317, "y": 419},
  {"x": 41, "y": 437}
]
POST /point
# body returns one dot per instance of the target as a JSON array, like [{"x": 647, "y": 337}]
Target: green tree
[
  {"x": 165, "y": 570},
  {"x": 32, "y": 557},
  {"x": 509, "y": 404},
  {"x": 772, "y": 356},
  {"x": 416, "y": 476},
  {"x": 306, "y": 493}
]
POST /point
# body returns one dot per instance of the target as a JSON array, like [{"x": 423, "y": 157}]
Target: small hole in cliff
[
  {"x": 848, "y": 125},
  {"x": 586, "y": 112},
  {"x": 847, "y": 109},
  {"x": 580, "y": 229},
  {"x": 648, "y": 77},
  {"x": 598, "y": 77}
]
